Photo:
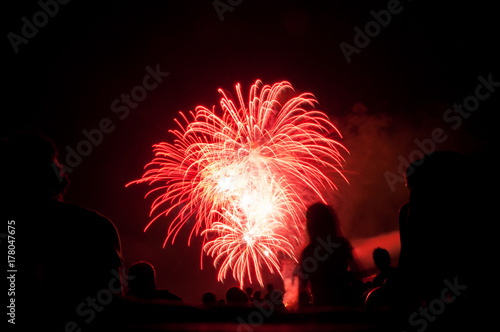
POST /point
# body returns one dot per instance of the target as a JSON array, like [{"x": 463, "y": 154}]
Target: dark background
[{"x": 394, "y": 91}]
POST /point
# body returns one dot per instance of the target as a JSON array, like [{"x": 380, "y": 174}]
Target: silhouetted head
[
  {"x": 270, "y": 288},
  {"x": 381, "y": 258},
  {"x": 249, "y": 291},
  {"x": 235, "y": 296},
  {"x": 143, "y": 277},
  {"x": 440, "y": 168},
  {"x": 30, "y": 168},
  {"x": 322, "y": 221},
  {"x": 257, "y": 296},
  {"x": 209, "y": 299}
]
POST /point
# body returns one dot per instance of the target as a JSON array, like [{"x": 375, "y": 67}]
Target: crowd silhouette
[{"x": 72, "y": 255}]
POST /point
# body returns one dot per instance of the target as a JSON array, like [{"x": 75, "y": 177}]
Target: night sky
[{"x": 67, "y": 77}]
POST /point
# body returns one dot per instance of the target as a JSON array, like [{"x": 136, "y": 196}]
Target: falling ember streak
[{"x": 243, "y": 177}]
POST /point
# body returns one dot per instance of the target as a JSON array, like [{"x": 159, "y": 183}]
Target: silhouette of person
[
  {"x": 236, "y": 297},
  {"x": 326, "y": 260},
  {"x": 433, "y": 225},
  {"x": 209, "y": 300},
  {"x": 382, "y": 260},
  {"x": 142, "y": 284},
  {"x": 257, "y": 296},
  {"x": 269, "y": 288},
  {"x": 67, "y": 253},
  {"x": 249, "y": 291}
]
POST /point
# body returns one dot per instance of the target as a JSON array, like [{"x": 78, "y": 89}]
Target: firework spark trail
[{"x": 243, "y": 176}]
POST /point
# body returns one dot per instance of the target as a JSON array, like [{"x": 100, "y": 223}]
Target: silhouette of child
[{"x": 326, "y": 260}]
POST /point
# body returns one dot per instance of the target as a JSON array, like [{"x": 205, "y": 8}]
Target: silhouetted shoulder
[
  {"x": 90, "y": 231},
  {"x": 165, "y": 294},
  {"x": 75, "y": 246}
]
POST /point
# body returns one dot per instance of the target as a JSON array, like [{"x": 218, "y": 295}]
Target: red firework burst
[{"x": 243, "y": 176}]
